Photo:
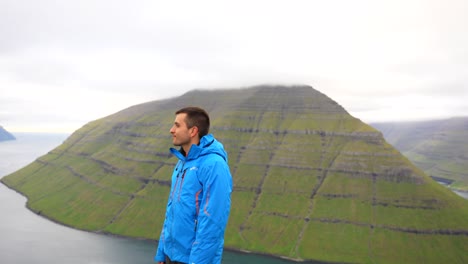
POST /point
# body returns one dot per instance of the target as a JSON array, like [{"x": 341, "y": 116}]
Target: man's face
[{"x": 180, "y": 132}]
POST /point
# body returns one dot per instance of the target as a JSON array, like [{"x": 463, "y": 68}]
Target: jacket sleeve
[
  {"x": 160, "y": 256},
  {"x": 213, "y": 212}
]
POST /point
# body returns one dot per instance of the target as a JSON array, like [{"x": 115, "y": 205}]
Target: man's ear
[{"x": 194, "y": 131}]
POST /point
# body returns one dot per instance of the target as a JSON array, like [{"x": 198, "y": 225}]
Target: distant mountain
[
  {"x": 5, "y": 135},
  {"x": 311, "y": 182},
  {"x": 439, "y": 147}
]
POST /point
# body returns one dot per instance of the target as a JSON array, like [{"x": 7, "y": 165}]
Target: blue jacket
[{"x": 198, "y": 206}]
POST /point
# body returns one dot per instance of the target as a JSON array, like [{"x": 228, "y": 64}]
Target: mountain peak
[
  {"x": 310, "y": 181},
  {"x": 5, "y": 135}
]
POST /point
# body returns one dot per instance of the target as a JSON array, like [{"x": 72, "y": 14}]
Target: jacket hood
[{"x": 208, "y": 145}]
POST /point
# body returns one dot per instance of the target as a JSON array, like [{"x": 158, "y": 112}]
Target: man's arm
[
  {"x": 214, "y": 212},
  {"x": 160, "y": 256}
]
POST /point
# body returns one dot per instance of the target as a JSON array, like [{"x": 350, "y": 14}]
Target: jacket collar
[{"x": 195, "y": 150}]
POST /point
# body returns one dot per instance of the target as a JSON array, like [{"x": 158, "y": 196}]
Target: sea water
[{"x": 28, "y": 238}]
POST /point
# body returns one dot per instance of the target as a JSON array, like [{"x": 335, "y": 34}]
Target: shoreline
[{"x": 230, "y": 249}]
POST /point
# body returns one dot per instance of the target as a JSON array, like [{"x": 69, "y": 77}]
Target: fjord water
[{"x": 28, "y": 238}]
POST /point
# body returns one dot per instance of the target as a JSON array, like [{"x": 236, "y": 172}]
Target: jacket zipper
[{"x": 181, "y": 183}]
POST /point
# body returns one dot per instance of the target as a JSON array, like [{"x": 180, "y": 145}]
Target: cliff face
[
  {"x": 310, "y": 181},
  {"x": 5, "y": 135}
]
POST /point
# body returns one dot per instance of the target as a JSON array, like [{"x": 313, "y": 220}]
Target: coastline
[{"x": 155, "y": 241}]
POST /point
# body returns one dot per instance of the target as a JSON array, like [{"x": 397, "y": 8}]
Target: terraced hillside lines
[
  {"x": 322, "y": 174},
  {"x": 259, "y": 118},
  {"x": 311, "y": 182}
]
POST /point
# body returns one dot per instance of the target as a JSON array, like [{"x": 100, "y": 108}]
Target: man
[{"x": 200, "y": 198}]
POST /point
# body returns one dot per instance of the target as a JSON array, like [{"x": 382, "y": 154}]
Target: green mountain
[
  {"x": 5, "y": 135},
  {"x": 438, "y": 147},
  {"x": 311, "y": 182}
]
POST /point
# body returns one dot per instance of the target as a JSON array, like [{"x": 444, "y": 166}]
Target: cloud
[{"x": 377, "y": 59}]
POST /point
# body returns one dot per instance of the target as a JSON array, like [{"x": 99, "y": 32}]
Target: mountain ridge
[
  {"x": 311, "y": 182},
  {"x": 439, "y": 147},
  {"x": 5, "y": 135}
]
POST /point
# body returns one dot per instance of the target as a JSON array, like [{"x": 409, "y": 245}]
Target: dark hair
[{"x": 198, "y": 117}]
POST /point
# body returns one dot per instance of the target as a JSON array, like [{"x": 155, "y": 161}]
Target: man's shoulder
[{"x": 211, "y": 158}]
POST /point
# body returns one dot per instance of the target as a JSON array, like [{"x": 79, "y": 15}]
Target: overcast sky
[{"x": 65, "y": 63}]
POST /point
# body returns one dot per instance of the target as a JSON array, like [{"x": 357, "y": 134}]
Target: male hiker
[{"x": 200, "y": 198}]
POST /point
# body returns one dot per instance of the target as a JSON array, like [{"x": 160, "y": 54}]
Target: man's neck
[
  {"x": 186, "y": 150},
  {"x": 187, "y": 147}
]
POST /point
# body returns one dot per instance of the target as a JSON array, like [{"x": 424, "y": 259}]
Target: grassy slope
[
  {"x": 439, "y": 148},
  {"x": 311, "y": 182}
]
